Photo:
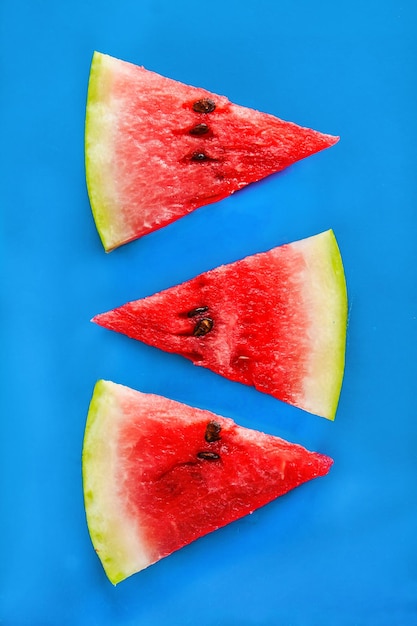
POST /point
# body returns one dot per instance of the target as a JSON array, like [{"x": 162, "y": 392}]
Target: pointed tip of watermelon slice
[
  {"x": 326, "y": 463},
  {"x": 106, "y": 320},
  {"x": 333, "y": 140}
]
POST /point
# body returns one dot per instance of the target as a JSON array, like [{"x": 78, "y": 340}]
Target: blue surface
[{"x": 342, "y": 550}]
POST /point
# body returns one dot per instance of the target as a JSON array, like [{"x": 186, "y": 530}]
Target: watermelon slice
[
  {"x": 157, "y": 149},
  {"x": 275, "y": 320},
  {"x": 158, "y": 474}
]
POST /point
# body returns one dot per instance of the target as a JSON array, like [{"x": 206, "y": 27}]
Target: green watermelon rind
[
  {"x": 99, "y": 126},
  {"x": 119, "y": 548},
  {"x": 326, "y": 293}
]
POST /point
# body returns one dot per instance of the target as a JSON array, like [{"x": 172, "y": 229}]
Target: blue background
[{"x": 341, "y": 550}]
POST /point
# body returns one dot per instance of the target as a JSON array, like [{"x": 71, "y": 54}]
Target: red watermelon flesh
[
  {"x": 275, "y": 320},
  {"x": 159, "y": 474},
  {"x": 156, "y": 149}
]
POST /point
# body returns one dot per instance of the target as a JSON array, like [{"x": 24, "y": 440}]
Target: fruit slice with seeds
[
  {"x": 159, "y": 474},
  {"x": 156, "y": 149},
  {"x": 275, "y": 320}
]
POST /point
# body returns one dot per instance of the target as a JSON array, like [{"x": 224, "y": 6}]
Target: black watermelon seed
[
  {"x": 208, "y": 456},
  {"x": 199, "y": 129},
  {"x": 199, "y": 157},
  {"x": 203, "y": 327},
  {"x": 205, "y": 105},
  {"x": 197, "y": 311},
  {"x": 212, "y": 432}
]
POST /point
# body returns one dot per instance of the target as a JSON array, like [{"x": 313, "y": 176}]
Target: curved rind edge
[
  {"x": 328, "y": 294},
  {"x": 99, "y": 126},
  {"x": 116, "y": 539}
]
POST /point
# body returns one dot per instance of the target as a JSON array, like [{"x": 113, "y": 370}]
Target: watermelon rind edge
[
  {"x": 327, "y": 293},
  {"x": 117, "y": 545},
  {"x": 99, "y": 126}
]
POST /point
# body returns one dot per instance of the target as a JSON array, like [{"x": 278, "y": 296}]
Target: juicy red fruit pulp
[
  {"x": 156, "y": 149},
  {"x": 235, "y": 320},
  {"x": 206, "y": 144},
  {"x": 181, "y": 483}
]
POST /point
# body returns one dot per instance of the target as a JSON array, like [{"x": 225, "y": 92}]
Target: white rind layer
[
  {"x": 101, "y": 124},
  {"x": 325, "y": 299},
  {"x": 115, "y": 538}
]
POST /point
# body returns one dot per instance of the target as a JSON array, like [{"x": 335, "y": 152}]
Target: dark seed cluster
[
  {"x": 211, "y": 435},
  {"x": 205, "y": 106}
]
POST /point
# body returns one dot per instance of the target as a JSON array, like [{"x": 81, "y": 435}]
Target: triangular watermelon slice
[
  {"x": 157, "y": 149},
  {"x": 159, "y": 474},
  {"x": 275, "y": 320}
]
